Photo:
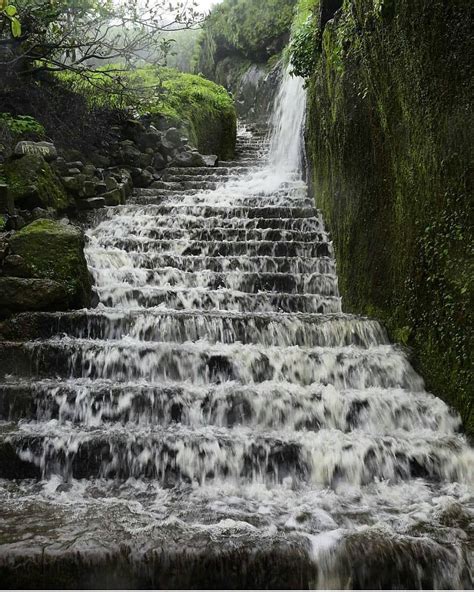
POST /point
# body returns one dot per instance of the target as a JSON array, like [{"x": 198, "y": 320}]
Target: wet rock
[
  {"x": 6, "y": 200},
  {"x": 158, "y": 162},
  {"x": 133, "y": 129},
  {"x": 89, "y": 170},
  {"x": 188, "y": 159},
  {"x": 151, "y": 139},
  {"x": 210, "y": 159},
  {"x": 99, "y": 160},
  {"x": 55, "y": 251},
  {"x": 15, "y": 265},
  {"x": 22, "y": 294},
  {"x": 91, "y": 203},
  {"x": 141, "y": 177},
  {"x": 45, "y": 149},
  {"x": 76, "y": 164},
  {"x": 113, "y": 197},
  {"x": 33, "y": 183},
  {"x": 173, "y": 137}
]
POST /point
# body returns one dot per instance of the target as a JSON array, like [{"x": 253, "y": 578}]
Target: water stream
[{"x": 218, "y": 404}]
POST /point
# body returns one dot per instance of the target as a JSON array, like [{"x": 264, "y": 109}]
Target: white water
[{"x": 218, "y": 388}]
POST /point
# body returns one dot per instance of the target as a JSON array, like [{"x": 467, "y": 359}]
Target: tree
[{"x": 80, "y": 35}]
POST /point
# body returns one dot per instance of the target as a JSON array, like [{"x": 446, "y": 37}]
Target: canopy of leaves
[{"x": 255, "y": 30}]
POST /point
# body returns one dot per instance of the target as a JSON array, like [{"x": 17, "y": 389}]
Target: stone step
[
  {"x": 233, "y": 280},
  {"x": 179, "y": 454},
  {"x": 222, "y": 299},
  {"x": 219, "y": 248},
  {"x": 183, "y": 541},
  {"x": 307, "y": 330},
  {"x": 146, "y": 219},
  {"x": 205, "y": 363},
  {"x": 262, "y": 406},
  {"x": 207, "y": 211},
  {"x": 119, "y": 259},
  {"x": 222, "y": 234}
]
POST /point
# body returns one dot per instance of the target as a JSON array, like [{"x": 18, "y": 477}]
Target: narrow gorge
[{"x": 217, "y": 420}]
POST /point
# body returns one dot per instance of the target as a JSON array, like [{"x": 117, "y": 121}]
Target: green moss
[
  {"x": 33, "y": 183},
  {"x": 22, "y": 124},
  {"x": 203, "y": 107},
  {"x": 244, "y": 29},
  {"x": 3, "y": 222},
  {"x": 389, "y": 150},
  {"x": 55, "y": 251}
]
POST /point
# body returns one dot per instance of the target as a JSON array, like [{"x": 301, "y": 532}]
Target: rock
[
  {"x": 45, "y": 149},
  {"x": 111, "y": 183},
  {"x": 129, "y": 154},
  {"x": 15, "y": 265},
  {"x": 73, "y": 172},
  {"x": 91, "y": 203},
  {"x": 173, "y": 136},
  {"x": 28, "y": 294},
  {"x": 4, "y": 247},
  {"x": 7, "y": 204},
  {"x": 101, "y": 161},
  {"x": 158, "y": 162},
  {"x": 76, "y": 185},
  {"x": 211, "y": 160},
  {"x": 151, "y": 139},
  {"x": 113, "y": 197},
  {"x": 142, "y": 177},
  {"x": 55, "y": 251},
  {"x": 60, "y": 166},
  {"x": 90, "y": 188},
  {"x": 38, "y": 213},
  {"x": 132, "y": 129},
  {"x": 188, "y": 159},
  {"x": 89, "y": 170},
  {"x": 33, "y": 183},
  {"x": 76, "y": 164}
]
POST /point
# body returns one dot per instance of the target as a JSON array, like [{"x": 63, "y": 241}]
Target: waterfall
[
  {"x": 287, "y": 122},
  {"x": 217, "y": 421}
]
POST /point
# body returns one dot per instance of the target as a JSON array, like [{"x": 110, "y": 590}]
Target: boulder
[
  {"x": 141, "y": 177},
  {"x": 15, "y": 265},
  {"x": 113, "y": 197},
  {"x": 188, "y": 159},
  {"x": 173, "y": 136},
  {"x": 90, "y": 203},
  {"x": 158, "y": 162},
  {"x": 28, "y": 294},
  {"x": 152, "y": 138},
  {"x": 55, "y": 251},
  {"x": 45, "y": 149},
  {"x": 33, "y": 183},
  {"x": 211, "y": 160},
  {"x": 132, "y": 129}
]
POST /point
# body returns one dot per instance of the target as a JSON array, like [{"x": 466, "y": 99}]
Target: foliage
[
  {"x": 78, "y": 35},
  {"x": 9, "y": 17},
  {"x": 389, "y": 151},
  {"x": 187, "y": 99},
  {"x": 21, "y": 124},
  {"x": 249, "y": 29}
]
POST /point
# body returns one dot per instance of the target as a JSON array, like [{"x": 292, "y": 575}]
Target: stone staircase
[{"x": 217, "y": 421}]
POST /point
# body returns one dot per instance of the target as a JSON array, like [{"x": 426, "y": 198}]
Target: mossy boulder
[
  {"x": 32, "y": 183},
  {"x": 55, "y": 251},
  {"x": 31, "y": 294}
]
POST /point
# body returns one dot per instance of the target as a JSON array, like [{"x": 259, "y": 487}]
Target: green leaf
[
  {"x": 3, "y": 4},
  {"x": 15, "y": 27},
  {"x": 10, "y": 10}
]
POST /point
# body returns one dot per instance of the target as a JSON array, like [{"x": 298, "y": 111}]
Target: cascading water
[{"x": 217, "y": 421}]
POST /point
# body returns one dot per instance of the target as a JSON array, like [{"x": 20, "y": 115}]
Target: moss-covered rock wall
[{"x": 390, "y": 144}]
